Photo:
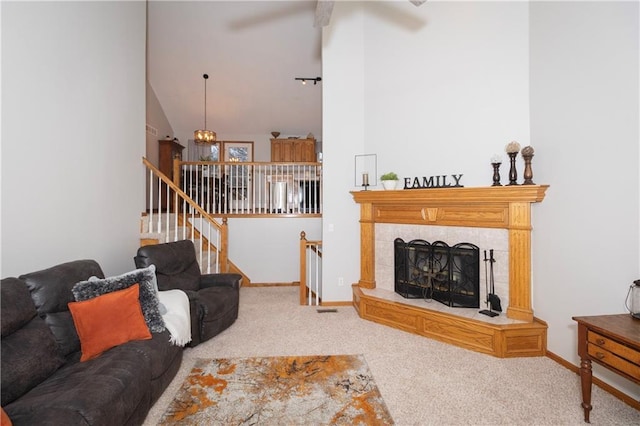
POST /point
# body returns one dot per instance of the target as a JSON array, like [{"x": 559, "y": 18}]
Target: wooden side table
[{"x": 612, "y": 341}]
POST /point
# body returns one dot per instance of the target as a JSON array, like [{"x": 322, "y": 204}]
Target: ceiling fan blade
[
  {"x": 271, "y": 14},
  {"x": 323, "y": 13},
  {"x": 324, "y": 8}
]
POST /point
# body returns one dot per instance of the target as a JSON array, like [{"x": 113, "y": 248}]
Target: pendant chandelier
[{"x": 204, "y": 136}]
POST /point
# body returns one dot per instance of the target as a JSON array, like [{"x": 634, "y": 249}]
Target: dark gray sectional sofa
[{"x": 43, "y": 381}]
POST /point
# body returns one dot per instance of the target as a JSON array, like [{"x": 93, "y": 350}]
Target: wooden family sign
[{"x": 440, "y": 181}]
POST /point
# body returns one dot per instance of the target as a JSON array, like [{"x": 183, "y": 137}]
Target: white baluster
[
  {"x": 150, "y": 221},
  {"x": 317, "y": 280}
]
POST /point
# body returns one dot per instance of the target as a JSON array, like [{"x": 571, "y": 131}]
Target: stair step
[
  {"x": 148, "y": 235},
  {"x": 162, "y": 217},
  {"x": 163, "y": 237}
]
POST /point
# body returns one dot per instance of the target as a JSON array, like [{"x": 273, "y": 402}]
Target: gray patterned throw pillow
[{"x": 146, "y": 277}]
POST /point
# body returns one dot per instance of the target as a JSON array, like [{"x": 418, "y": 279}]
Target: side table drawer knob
[
  {"x": 599, "y": 355},
  {"x": 600, "y": 342}
]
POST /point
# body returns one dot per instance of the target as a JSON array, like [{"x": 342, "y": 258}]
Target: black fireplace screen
[{"x": 448, "y": 274}]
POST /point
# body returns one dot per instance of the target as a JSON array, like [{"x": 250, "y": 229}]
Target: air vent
[{"x": 152, "y": 130}]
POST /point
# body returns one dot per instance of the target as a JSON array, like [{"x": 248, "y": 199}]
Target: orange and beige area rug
[{"x": 300, "y": 390}]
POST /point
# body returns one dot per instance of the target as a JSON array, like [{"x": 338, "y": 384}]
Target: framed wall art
[{"x": 241, "y": 152}]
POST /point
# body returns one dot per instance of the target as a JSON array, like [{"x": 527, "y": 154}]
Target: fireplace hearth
[{"x": 447, "y": 274}]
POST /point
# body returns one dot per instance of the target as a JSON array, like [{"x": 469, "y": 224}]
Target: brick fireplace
[{"x": 503, "y": 213}]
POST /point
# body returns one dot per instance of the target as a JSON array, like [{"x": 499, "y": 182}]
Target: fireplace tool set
[{"x": 492, "y": 301}]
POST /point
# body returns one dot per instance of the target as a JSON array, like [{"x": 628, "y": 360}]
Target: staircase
[
  {"x": 206, "y": 254},
  {"x": 161, "y": 224}
]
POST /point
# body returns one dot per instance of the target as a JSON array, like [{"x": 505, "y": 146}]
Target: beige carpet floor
[{"x": 422, "y": 381}]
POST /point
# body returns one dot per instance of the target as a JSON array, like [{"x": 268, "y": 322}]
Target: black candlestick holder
[
  {"x": 513, "y": 173},
  {"x": 496, "y": 174}
]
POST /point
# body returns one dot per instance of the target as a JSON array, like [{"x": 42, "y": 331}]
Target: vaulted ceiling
[{"x": 251, "y": 50}]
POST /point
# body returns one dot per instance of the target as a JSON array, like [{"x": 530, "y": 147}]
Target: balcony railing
[
  {"x": 310, "y": 271},
  {"x": 233, "y": 188}
]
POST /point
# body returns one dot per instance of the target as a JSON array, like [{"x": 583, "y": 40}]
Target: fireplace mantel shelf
[
  {"x": 483, "y": 207},
  {"x": 505, "y": 207},
  {"x": 456, "y": 195}
]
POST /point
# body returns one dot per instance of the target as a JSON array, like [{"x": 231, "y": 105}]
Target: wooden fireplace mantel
[{"x": 507, "y": 207}]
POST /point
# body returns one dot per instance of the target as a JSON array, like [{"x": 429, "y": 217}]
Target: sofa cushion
[
  {"x": 106, "y": 390},
  {"x": 51, "y": 292},
  {"x": 17, "y": 307},
  {"x": 29, "y": 356},
  {"x": 29, "y": 353},
  {"x": 51, "y": 288},
  {"x": 175, "y": 262},
  {"x": 62, "y": 326},
  {"x": 145, "y": 277},
  {"x": 157, "y": 352},
  {"x": 109, "y": 320}
]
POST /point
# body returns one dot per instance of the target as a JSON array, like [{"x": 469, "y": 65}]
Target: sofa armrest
[
  {"x": 195, "y": 317},
  {"x": 221, "y": 280}
]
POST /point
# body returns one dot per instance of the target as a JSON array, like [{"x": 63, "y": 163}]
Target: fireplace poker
[
  {"x": 486, "y": 287},
  {"x": 494, "y": 300},
  {"x": 486, "y": 280}
]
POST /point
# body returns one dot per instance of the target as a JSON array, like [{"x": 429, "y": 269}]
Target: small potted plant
[{"x": 389, "y": 180}]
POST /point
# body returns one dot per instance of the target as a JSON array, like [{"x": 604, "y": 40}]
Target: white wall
[
  {"x": 443, "y": 97},
  {"x": 343, "y": 130},
  {"x": 441, "y": 88},
  {"x": 267, "y": 250},
  {"x": 156, "y": 118},
  {"x": 432, "y": 90},
  {"x": 73, "y": 80},
  {"x": 584, "y": 126},
  {"x": 251, "y": 50}
]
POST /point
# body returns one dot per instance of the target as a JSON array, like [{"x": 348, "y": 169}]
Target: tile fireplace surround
[{"x": 496, "y": 218}]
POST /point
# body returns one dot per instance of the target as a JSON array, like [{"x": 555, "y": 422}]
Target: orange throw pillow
[
  {"x": 109, "y": 320},
  {"x": 4, "y": 419}
]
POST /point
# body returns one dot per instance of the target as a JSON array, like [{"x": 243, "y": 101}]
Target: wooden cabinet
[
  {"x": 167, "y": 151},
  {"x": 293, "y": 150},
  {"x": 612, "y": 341}
]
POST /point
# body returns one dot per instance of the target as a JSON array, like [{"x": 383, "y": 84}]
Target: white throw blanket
[{"x": 177, "y": 317}]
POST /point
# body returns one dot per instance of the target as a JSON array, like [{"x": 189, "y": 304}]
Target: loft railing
[
  {"x": 310, "y": 271},
  {"x": 234, "y": 188},
  {"x": 172, "y": 215}
]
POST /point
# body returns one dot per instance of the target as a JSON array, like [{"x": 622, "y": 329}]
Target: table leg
[{"x": 585, "y": 381}]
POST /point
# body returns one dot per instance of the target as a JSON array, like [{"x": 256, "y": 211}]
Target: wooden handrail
[
  {"x": 181, "y": 193},
  {"x": 222, "y": 228}
]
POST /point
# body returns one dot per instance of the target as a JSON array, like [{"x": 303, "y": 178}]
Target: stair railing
[
  {"x": 257, "y": 189},
  {"x": 310, "y": 271},
  {"x": 173, "y": 213}
]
